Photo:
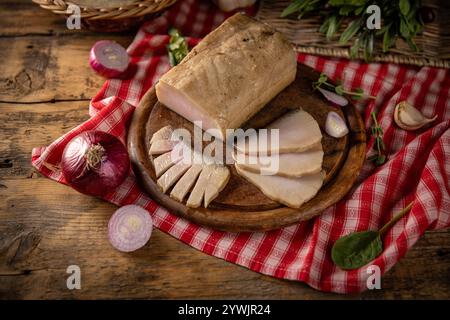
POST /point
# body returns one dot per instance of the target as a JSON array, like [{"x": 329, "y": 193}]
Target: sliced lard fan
[
  {"x": 230, "y": 75},
  {"x": 284, "y": 164},
  {"x": 298, "y": 131},
  {"x": 164, "y": 133},
  {"x": 165, "y": 161},
  {"x": 184, "y": 185},
  {"x": 211, "y": 181},
  {"x": 161, "y": 146},
  {"x": 172, "y": 175},
  {"x": 292, "y": 192}
]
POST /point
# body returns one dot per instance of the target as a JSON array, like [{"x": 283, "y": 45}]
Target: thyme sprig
[
  {"x": 356, "y": 94},
  {"x": 379, "y": 157}
]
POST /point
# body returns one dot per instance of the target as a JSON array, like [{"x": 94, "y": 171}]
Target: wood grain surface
[
  {"x": 241, "y": 207},
  {"x": 45, "y": 226}
]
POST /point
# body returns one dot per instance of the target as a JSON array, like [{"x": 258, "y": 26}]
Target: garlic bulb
[
  {"x": 409, "y": 118},
  {"x": 335, "y": 126}
]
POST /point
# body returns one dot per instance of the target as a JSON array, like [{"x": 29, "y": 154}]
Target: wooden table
[{"x": 45, "y": 86}]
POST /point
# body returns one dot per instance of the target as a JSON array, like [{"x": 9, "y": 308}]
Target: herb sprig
[
  {"x": 379, "y": 157},
  {"x": 357, "y": 94},
  {"x": 177, "y": 47},
  {"x": 401, "y": 20},
  {"x": 359, "y": 248}
]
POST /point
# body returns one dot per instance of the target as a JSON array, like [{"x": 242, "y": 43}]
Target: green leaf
[
  {"x": 404, "y": 29},
  {"x": 177, "y": 48},
  {"x": 323, "y": 78},
  {"x": 380, "y": 160},
  {"x": 332, "y": 27},
  {"x": 354, "y": 49},
  {"x": 293, "y": 7},
  {"x": 346, "y": 10},
  {"x": 360, "y": 10},
  {"x": 356, "y": 249},
  {"x": 388, "y": 40},
  {"x": 412, "y": 44},
  {"x": 339, "y": 90},
  {"x": 358, "y": 94},
  {"x": 368, "y": 47},
  {"x": 404, "y": 6},
  {"x": 350, "y": 31},
  {"x": 346, "y": 2}
]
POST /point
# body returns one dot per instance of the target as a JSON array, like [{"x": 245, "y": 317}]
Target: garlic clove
[
  {"x": 409, "y": 118},
  {"x": 335, "y": 126}
]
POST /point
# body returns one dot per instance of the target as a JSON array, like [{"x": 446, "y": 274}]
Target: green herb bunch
[
  {"x": 177, "y": 47},
  {"x": 400, "y": 19}
]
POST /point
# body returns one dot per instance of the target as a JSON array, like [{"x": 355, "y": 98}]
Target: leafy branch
[{"x": 402, "y": 19}]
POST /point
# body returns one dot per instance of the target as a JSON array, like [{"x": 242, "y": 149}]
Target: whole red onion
[{"x": 95, "y": 163}]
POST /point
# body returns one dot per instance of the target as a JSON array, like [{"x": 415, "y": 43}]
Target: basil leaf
[
  {"x": 404, "y": 7},
  {"x": 356, "y": 249}
]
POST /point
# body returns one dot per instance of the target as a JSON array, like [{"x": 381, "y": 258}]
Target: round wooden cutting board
[{"x": 241, "y": 206}]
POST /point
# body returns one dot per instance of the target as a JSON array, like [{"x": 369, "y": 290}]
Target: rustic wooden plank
[
  {"x": 44, "y": 68},
  {"x": 41, "y": 235},
  {"x": 25, "y": 18},
  {"x": 31, "y": 125}
]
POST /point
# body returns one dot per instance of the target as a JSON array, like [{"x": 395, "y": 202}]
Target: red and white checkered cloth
[{"x": 418, "y": 168}]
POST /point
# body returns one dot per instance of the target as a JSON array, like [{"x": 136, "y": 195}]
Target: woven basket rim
[{"x": 133, "y": 9}]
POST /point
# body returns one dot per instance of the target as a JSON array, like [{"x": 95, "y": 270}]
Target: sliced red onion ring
[
  {"x": 109, "y": 59},
  {"x": 130, "y": 228},
  {"x": 334, "y": 97},
  {"x": 335, "y": 126}
]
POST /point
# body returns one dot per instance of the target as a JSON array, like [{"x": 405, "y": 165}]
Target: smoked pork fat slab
[{"x": 230, "y": 75}]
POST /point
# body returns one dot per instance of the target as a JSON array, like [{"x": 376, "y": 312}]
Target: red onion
[
  {"x": 334, "y": 97},
  {"x": 129, "y": 228},
  {"x": 95, "y": 163},
  {"x": 109, "y": 59}
]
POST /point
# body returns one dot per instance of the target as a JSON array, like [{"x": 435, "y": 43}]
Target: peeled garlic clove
[
  {"x": 335, "y": 126},
  {"x": 409, "y": 118}
]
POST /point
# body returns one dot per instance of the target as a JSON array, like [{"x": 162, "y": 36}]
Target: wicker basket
[
  {"x": 433, "y": 43},
  {"x": 109, "y": 15}
]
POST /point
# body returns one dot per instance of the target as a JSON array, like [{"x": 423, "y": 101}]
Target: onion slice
[
  {"x": 335, "y": 126},
  {"x": 130, "y": 228},
  {"x": 109, "y": 59},
  {"x": 333, "y": 97}
]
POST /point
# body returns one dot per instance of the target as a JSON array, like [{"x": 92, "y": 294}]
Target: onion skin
[
  {"x": 102, "y": 177},
  {"x": 333, "y": 97}
]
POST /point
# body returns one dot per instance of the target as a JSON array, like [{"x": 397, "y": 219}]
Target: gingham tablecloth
[{"x": 418, "y": 167}]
